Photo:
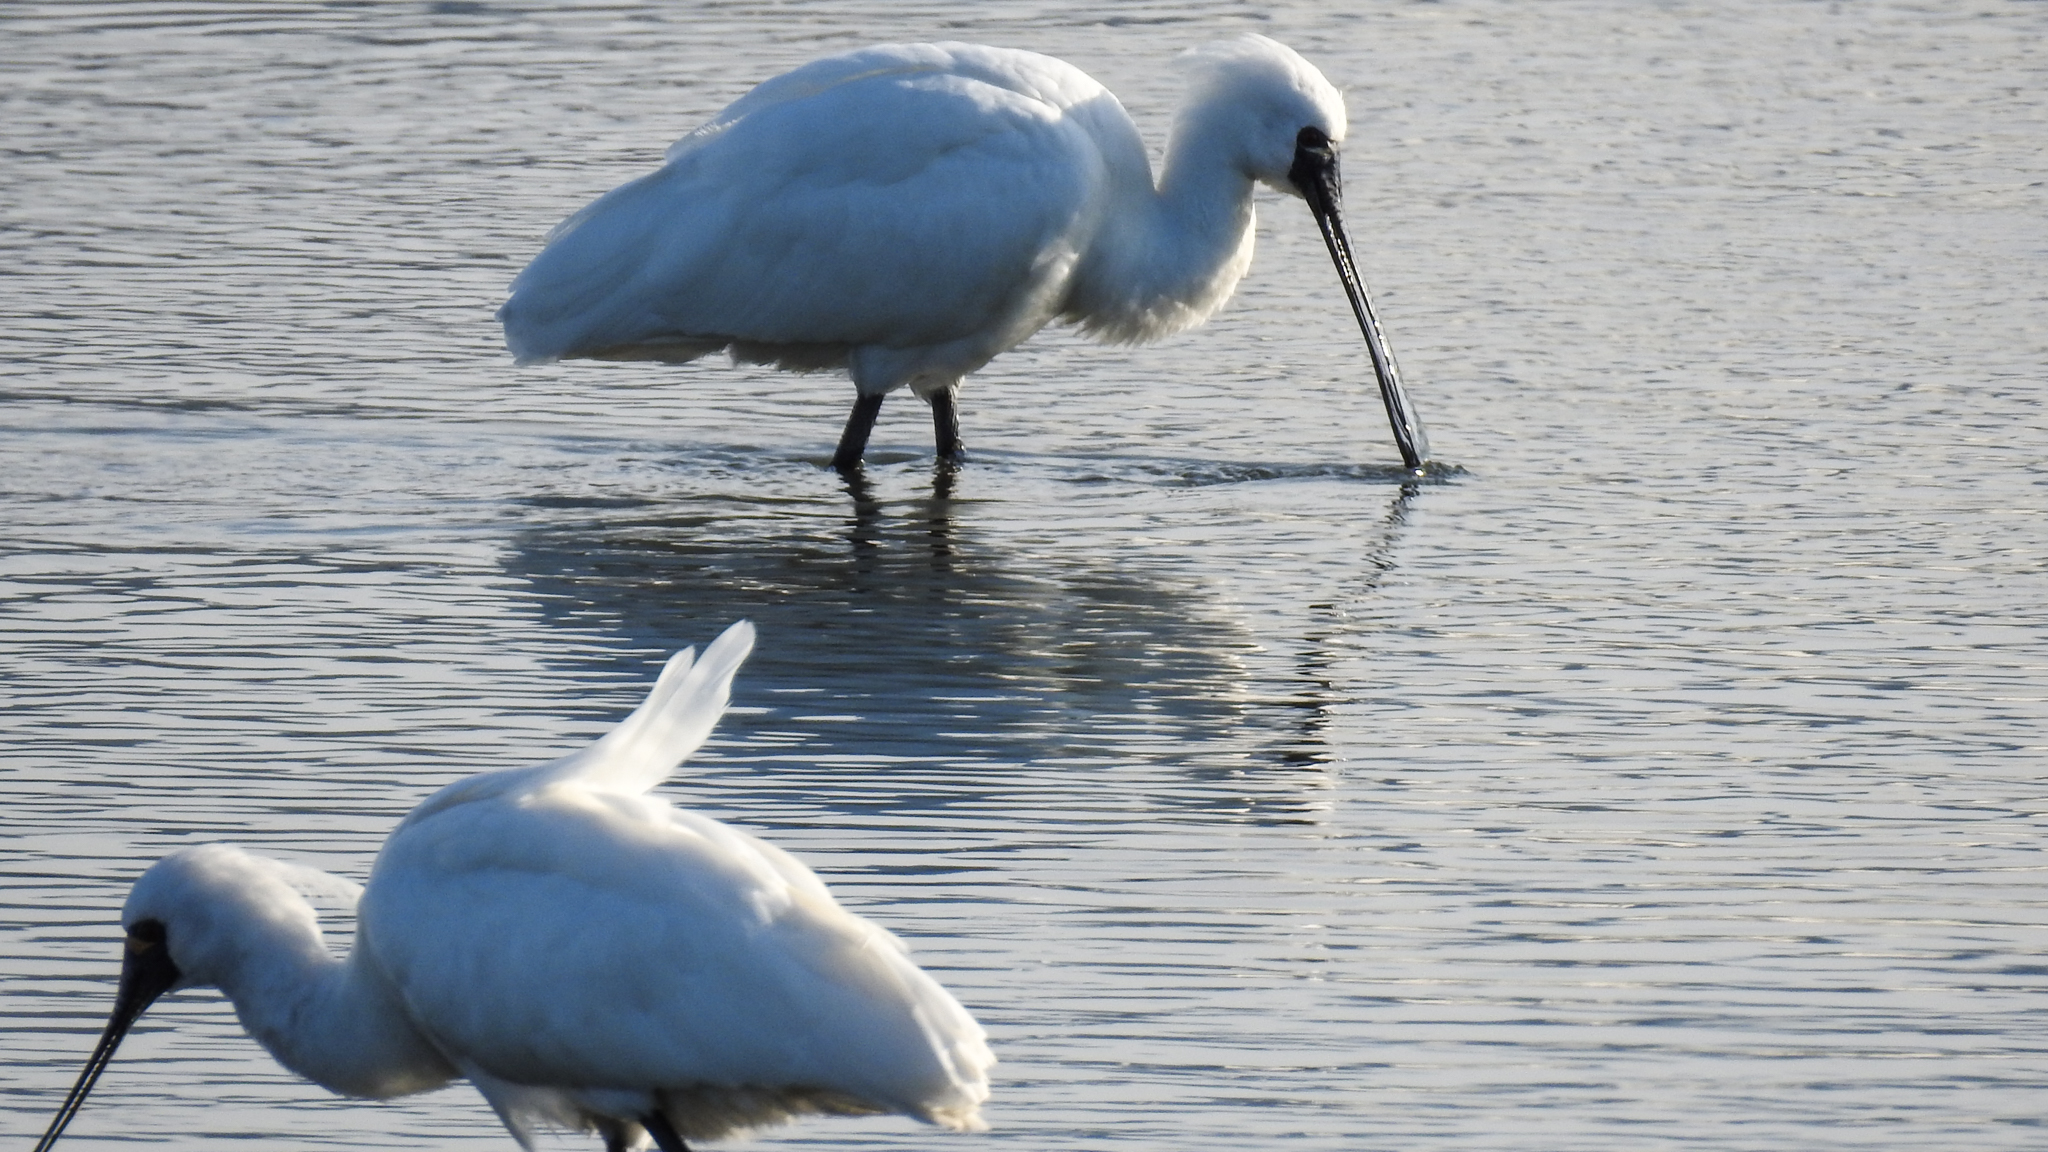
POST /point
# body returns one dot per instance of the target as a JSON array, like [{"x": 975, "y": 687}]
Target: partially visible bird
[
  {"x": 582, "y": 952},
  {"x": 908, "y": 212}
]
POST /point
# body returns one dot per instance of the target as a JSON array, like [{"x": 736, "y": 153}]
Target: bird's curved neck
[
  {"x": 339, "y": 1023},
  {"x": 1171, "y": 256}
]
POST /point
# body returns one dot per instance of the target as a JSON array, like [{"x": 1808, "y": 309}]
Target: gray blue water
[{"x": 1667, "y": 772}]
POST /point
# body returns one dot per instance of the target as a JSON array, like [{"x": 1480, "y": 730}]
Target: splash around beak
[
  {"x": 1314, "y": 175},
  {"x": 146, "y": 973}
]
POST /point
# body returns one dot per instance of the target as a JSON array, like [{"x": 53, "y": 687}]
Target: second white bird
[
  {"x": 581, "y": 951},
  {"x": 908, "y": 212}
]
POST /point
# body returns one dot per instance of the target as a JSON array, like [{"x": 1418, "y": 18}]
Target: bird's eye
[{"x": 1313, "y": 138}]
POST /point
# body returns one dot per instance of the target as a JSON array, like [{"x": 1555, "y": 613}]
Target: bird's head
[
  {"x": 1258, "y": 98},
  {"x": 213, "y": 905},
  {"x": 1257, "y": 106},
  {"x": 194, "y": 918}
]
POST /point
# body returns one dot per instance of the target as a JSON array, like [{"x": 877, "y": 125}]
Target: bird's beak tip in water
[
  {"x": 146, "y": 973},
  {"x": 1315, "y": 176}
]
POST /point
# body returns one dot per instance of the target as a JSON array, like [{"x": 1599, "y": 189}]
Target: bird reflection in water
[
  {"x": 948, "y": 653},
  {"x": 864, "y": 526}
]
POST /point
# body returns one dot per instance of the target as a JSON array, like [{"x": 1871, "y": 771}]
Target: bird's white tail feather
[{"x": 674, "y": 721}]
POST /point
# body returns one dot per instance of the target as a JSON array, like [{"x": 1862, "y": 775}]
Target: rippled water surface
[{"x": 1667, "y": 770}]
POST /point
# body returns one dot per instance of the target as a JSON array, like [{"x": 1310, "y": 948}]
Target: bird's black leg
[
  {"x": 619, "y": 1136},
  {"x": 853, "y": 442},
  {"x": 946, "y": 427},
  {"x": 665, "y": 1135}
]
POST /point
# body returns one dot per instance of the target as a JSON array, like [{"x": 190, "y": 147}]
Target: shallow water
[{"x": 1666, "y": 771}]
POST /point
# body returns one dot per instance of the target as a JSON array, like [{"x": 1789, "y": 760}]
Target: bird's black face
[
  {"x": 1314, "y": 174},
  {"x": 146, "y": 973}
]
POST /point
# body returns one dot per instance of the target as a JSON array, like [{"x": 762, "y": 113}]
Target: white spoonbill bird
[
  {"x": 910, "y": 211},
  {"x": 582, "y": 952}
]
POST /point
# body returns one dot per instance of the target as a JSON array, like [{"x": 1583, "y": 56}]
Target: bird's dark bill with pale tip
[{"x": 1315, "y": 175}]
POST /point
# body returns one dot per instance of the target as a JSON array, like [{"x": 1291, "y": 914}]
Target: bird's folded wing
[{"x": 563, "y": 936}]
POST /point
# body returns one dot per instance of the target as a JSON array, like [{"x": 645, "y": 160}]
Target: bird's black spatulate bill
[
  {"x": 146, "y": 973},
  {"x": 1315, "y": 174}
]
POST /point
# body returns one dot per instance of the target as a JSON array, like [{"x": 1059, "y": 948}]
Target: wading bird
[
  {"x": 582, "y": 952},
  {"x": 908, "y": 212}
]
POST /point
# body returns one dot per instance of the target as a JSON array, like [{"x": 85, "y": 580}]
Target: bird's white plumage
[
  {"x": 584, "y": 952},
  {"x": 910, "y": 211}
]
